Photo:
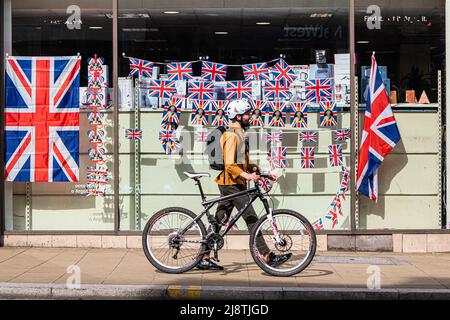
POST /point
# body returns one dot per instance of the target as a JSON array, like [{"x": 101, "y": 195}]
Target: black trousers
[{"x": 224, "y": 209}]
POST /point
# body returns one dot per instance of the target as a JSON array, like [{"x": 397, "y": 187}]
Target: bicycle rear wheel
[
  {"x": 167, "y": 249},
  {"x": 298, "y": 239}
]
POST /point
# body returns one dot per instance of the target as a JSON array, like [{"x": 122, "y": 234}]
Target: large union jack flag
[
  {"x": 256, "y": 71},
  {"x": 142, "y": 68},
  {"x": 201, "y": 90},
  {"x": 42, "y": 119},
  {"x": 307, "y": 157},
  {"x": 319, "y": 90},
  {"x": 179, "y": 70},
  {"x": 275, "y": 90},
  {"x": 283, "y": 73},
  {"x": 161, "y": 88},
  {"x": 212, "y": 71},
  {"x": 380, "y": 134},
  {"x": 239, "y": 89}
]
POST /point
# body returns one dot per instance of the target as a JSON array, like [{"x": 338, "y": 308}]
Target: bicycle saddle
[{"x": 194, "y": 175}]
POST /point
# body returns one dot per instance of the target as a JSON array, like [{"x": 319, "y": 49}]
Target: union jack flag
[
  {"x": 142, "y": 68},
  {"x": 201, "y": 90},
  {"x": 212, "y": 71},
  {"x": 239, "y": 89},
  {"x": 275, "y": 90},
  {"x": 170, "y": 146},
  {"x": 278, "y": 157},
  {"x": 218, "y": 118},
  {"x": 161, "y": 88},
  {"x": 133, "y": 134},
  {"x": 335, "y": 155},
  {"x": 307, "y": 136},
  {"x": 328, "y": 114},
  {"x": 299, "y": 114},
  {"x": 179, "y": 70},
  {"x": 319, "y": 90},
  {"x": 171, "y": 112},
  {"x": 379, "y": 137},
  {"x": 332, "y": 215},
  {"x": 265, "y": 184},
  {"x": 277, "y": 113},
  {"x": 272, "y": 137},
  {"x": 167, "y": 133},
  {"x": 318, "y": 224},
  {"x": 307, "y": 157},
  {"x": 342, "y": 135},
  {"x": 282, "y": 72},
  {"x": 200, "y": 112},
  {"x": 201, "y": 134},
  {"x": 42, "y": 119},
  {"x": 256, "y": 71},
  {"x": 258, "y": 113}
]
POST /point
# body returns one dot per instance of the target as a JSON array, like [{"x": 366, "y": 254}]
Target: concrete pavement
[{"x": 126, "y": 273}]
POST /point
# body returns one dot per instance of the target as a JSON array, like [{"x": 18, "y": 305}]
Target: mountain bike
[{"x": 175, "y": 239}]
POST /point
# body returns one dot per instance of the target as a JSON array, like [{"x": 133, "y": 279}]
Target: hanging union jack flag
[
  {"x": 258, "y": 113},
  {"x": 318, "y": 224},
  {"x": 256, "y": 71},
  {"x": 307, "y": 157},
  {"x": 42, "y": 119},
  {"x": 161, "y": 88},
  {"x": 179, "y": 70},
  {"x": 200, "y": 134},
  {"x": 133, "y": 134},
  {"x": 219, "y": 113},
  {"x": 278, "y": 157},
  {"x": 275, "y": 90},
  {"x": 201, "y": 90},
  {"x": 212, "y": 71},
  {"x": 167, "y": 133},
  {"x": 277, "y": 113},
  {"x": 273, "y": 137},
  {"x": 327, "y": 114},
  {"x": 379, "y": 137},
  {"x": 283, "y": 73},
  {"x": 239, "y": 89},
  {"x": 342, "y": 135},
  {"x": 141, "y": 68},
  {"x": 307, "y": 136},
  {"x": 319, "y": 90},
  {"x": 265, "y": 184},
  {"x": 299, "y": 114},
  {"x": 335, "y": 155}
]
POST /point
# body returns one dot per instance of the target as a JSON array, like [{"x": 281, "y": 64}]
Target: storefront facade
[{"x": 408, "y": 38}]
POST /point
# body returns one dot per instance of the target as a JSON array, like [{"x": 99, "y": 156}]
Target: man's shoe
[
  {"x": 207, "y": 264},
  {"x": 276, "y": 260}
]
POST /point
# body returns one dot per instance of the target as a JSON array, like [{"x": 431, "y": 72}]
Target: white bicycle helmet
[{"x": 236, "y": 107}]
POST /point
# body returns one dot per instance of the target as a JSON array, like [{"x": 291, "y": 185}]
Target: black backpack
[{"x": 214, "y": 149}]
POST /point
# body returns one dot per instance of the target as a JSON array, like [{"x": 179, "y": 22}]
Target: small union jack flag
[
  {"x": 307, "y": 136},
  {"x": 342, "y": 135},
  {"x": 319, "y": 90},
  {"x": 328, "y": 114},
  {"x": 307, "y": 157},
  {"x": 318, "y": 224},
  {"x": 201, "y": 90},
  {"x": 201, "y": 134},
  {"x": 256, "y": 71},
  {"x": 277, "y": 113},
  {"x": 275, "y": 90},
  {"x": 161, "y": 88},
  {"x": 141, "y": 67},
  {"x": 272, "y": 137},
  {"x": 167, "y": 133},
  {"x": 239, "y": 89},
  {"x": 282, "y": 72},
  {"x": 219, "y": 113},
  {"x": 278, "y": 157},
  {"x": 332, "y": 215},
  {"x": 212, "y": 71},
  {"x": 200, "y": 112},
  {"x": 171, "y": 146},
  {"x": 179, "y": 70},
  {"x": 133, "y": 134},
  {"x": 265, "y": 184},
  {"x": 335, "y": 155},
  {"x": 299, "y": 114}
]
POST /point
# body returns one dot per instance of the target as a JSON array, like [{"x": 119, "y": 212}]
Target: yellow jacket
[{"x": 235, "y": 157}]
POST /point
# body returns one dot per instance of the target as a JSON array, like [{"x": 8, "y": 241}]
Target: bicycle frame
[{"x": 253, "y": 193}]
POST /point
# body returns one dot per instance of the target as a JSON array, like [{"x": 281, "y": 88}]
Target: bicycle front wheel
[
  {"x": 166, "y": 248},
  {"x": 297, "y": 239}
]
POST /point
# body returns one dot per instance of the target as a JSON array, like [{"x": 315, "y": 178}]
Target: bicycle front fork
[{"x": 272, "y": 221}]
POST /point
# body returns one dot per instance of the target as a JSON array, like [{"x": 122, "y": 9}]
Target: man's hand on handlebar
[{"x": 250, "y": 176}]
